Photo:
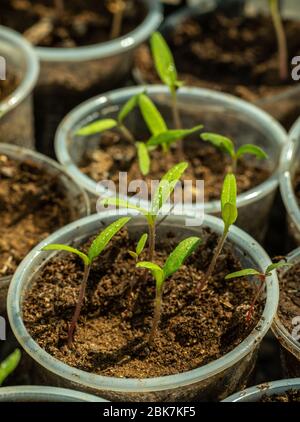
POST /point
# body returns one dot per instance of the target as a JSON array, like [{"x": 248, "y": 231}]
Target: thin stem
[
  {"x": 87, "y": 269},
  {"x": 234, "y": 165},
  {"x": 250, "y": 312},
  {"x": 118, "y": 14},
  {"x": 281, "y": 40},
  {"x": 212, "y": 265},
  {"x": 126, "y": 133},
  {"x": 152, "y": 236},
  {"x": 157, "y": 314},
  {"x": 176, "y": 119}
]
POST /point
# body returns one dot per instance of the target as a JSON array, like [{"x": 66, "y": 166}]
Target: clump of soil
[
  {"x": 32, "y": 205},
  {"x": 111, "y": 338},
  {"x": 289, "y": 302},
  {"x": 205, "y": 163},
  {"x": 80, "y": 23},
  {"x": 289, "y": 396},
  {"x": 235, "y": 54},
  {"x": 9, "y": 85}
]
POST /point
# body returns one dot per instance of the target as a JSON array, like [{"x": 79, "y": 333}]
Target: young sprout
[
  {"x": 9, "y": 365},
  {"x": 97, "y": 246},
  {"x": 229, "y": 216},
  {"x": 281, "y": 39},
  {"x": 262, "y": 276},
  {"x": 226, "y": 145},
  {"x": 160, "y": 197},
  {"x": 117, "y": 8},
  {"x": 160, "y": 274},
  {"x": 139, "y": 247},
  {"x": 166, "y": 69}
]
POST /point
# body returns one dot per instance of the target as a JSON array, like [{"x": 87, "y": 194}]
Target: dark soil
[
  {"x": 206, "y": 163},
  {"x": 111, "y": 338},
  {"x": 32, "y": 205},
  {"x": 289, "y": 304},
  {"x": 297, "y": 186},
  {"x": 9, "y": 85},
  {"x": 232, "y": 54},
  {"x": 82, "y": 22},
  {"x": 287, "y": 397}
]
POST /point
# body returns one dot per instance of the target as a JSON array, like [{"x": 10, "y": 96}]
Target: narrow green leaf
[
  {"x": 228, "y": 201},
  {"x": 182, "y": 251},
  {"x": 164, "y": 61},
  {"x": 155, "y": 269},
  {"x": 133, "y": 254},
  {"x": 9, "y": 365},
  {"x": 253, "y": 150},
  {"x": 151, "y": 115},
  {"x": 122, "y": 203},
  {"x": 66, "y": 248},
  {"x": 141, "y": 244},
  {"x": 221, "y": 142},
  {"x": 105, "y": 236},
  {"x": 242, "y": 273},
  {"x": 97, "y": 127},
  {"x": 276, "y": 266},
  {"x": 171, "y": 136},
  {"x": 143, "y": 157},
  {"x": 166, "y": 186},
  {"x": 128, "y": 107}
]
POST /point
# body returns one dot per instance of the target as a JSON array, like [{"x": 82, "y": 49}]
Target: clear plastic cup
[
  {"x": 284, "y": 106},
  {"x": 41, "y": 394},
  {"x": 16, "y": 121},
  {"x": 289, "y": 164},
  {"x": 220, "y": 113},
  {"x": 72, "y": 75},
  {"x": 254, "y": 394},
  {"x": 78, "y": 199},
  {"x": 290, "y": 347},
  {"x": 213, "y": 381}
]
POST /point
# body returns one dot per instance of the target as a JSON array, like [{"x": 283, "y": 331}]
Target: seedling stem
[{"x": 281, "y": 39}]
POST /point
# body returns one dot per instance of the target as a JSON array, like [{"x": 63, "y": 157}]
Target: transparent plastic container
[
  {"x": 254, "y": 394},
  {"x": 290, "y": 347},
  {"x": 41, "y": 394},
  {"x": 72, "y": 75},
  {"x": 289, "y": 165},
  {"x": 284, "y": 106},
  {"x": 16, "y": 121},
  {"x": 213, "y": 381},
  {"x": 220, "y": 113},
  {"x": 78, "y": 199}
]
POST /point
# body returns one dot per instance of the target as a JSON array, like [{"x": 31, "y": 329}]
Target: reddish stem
[{"x": 249, "y": 315}]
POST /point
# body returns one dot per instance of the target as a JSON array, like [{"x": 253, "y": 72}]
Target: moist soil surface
[
  {"x": 8, "y": 86},
  {"x": 115, "y": 155},
  {"x": 287, "y": 397},
  {"x": 82, "y": 22},
  {"x": 233, "y": 54},
  {"x": 111, "y": 337},
  {"x": 289, "y": 302},
  {"x": 32, "y": 205}
]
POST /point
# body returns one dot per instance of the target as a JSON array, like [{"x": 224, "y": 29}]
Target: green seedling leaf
[
  {"x": 141, "y": 244},
  {"x": 242, "y": 273},
  {"x": 228, "y": 201},
  {"x": 133, "y": 254},
  {"x": 143, "y": 157},
  {"x": 221, "y": 142},
  {"x": 122, "y": 203},
  {"x": 253, "y": 150},
  {"x": 151, "y": 115},
  {"x": 105, "y": 236},
  {"x": 166, "y": 186},
  {"x": 156, "y": 271},
  {"x": 180, "y": 254},
  {"x": 276, "y": 266},
  {"x": 9, "y": 365},
  {"x": 164, "y": 61},
  {"x": 130, "y": 105},
  {"x": 66, "y": 248},
  {"x": 97, "y": 127},
  {"x": 171, "y": 136}
]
